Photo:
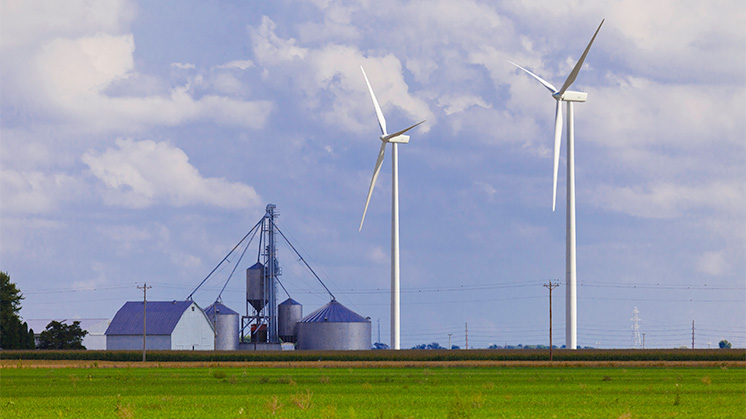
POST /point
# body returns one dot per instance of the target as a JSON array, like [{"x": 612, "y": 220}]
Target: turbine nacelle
[
  {"x": 400, "y": 139},
  {"x": 571, "y": 96}
]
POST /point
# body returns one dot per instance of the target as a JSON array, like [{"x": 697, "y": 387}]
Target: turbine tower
[
  {"x": 395, "y": 139},
  {"x": 568, "y": 96}
]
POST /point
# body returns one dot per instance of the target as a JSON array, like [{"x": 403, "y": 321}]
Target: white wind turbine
[
  {"x": 564, "y": 95},
  {"x": 394, "y": 139}
]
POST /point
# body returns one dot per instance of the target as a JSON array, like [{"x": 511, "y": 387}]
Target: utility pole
[
  {"x": 144, "y": 289},
  {"x": 643, "y": 341},
  {"x": 550, "y": 286},
  {"x": 449, "y": 341},
  {"x": 467, "y": 334}
]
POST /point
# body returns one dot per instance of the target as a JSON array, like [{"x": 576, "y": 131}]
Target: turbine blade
[
  {"x": 377, "y": 169},
  {"x": 379, "y": 114},
  {"x": 539, "y": 79},
  {"x": 557, "y": 142},
  {"x": 402, "y": 131},
  {"x": 576, "y": 69}
]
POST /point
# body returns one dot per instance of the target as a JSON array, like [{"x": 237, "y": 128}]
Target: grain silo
[
  {"x": 289, "y": 313},
  {"x": 255, "y": 290},
  {"x": 334, "y": 327},
  {"x": 225, "y": 322}
]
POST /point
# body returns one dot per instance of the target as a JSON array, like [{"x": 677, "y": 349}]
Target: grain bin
[
  {"x": 334, "y": 327},
  {"x": 290, "y": 312},
  {"x": 255, "y": 294},
  {"x": 225, "y": 322}
]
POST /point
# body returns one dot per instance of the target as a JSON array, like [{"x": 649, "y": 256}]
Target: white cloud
[
  {"x": 459, "y": 103},
  {"x": 145, "y": 173},
  {"x": 183, "y": 66},
  {"x": 28, "y": 22},
  {"x": 712, "y": 263},
  {"x": 36, "y": 192},
  {"x": 75, "y": 71},
  {"x": 75, "y": 74},
  {"x": 270, "y": 49},
  {"x": 335, "y": 70},
  {"x": 76, "y": 64},
  {"x": 633, "y": 109},
  {"x": 238, "y": 64},
  {"x": 378, "y": 256},
  {"x": 667, "y": 200},
  {"x": 485, "y": 188}
]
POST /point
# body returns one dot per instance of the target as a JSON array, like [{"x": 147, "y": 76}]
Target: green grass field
[{"x": 490, "y": 392}]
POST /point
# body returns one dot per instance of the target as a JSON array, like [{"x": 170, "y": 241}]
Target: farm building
[
  {"x": 174, "y": 325},
  {"x": 94, "y": 340}
]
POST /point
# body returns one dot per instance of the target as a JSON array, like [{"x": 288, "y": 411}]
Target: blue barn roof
[
  {"x": 222, "y": 309},
  {"x": 162, "y": 317},
  {"x": 289, "y": 302},
  {"x": 334, "y": 312}
]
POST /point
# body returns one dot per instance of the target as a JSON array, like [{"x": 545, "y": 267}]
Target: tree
[
  {"x": 379, "y": 345},
  {"x": 434, "y": 345},
  {"x": 62, "y": 336},
  {"x": 724, "y": 344},
  {"x": 13, "y": 333}
]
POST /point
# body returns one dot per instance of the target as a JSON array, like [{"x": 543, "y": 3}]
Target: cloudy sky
[{"x": 141, "y": 140}]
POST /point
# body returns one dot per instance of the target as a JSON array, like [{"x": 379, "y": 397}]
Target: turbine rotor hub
[{"x": 571, "y": 96}]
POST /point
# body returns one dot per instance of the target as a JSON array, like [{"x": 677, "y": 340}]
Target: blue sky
[{"x": 139, "y": 141}]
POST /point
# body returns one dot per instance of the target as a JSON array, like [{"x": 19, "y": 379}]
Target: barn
[{"x": 170, "y": 325}]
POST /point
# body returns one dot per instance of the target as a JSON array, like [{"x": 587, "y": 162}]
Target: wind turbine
[
  {"x": 395, "y": 139},
  {"x": 568, "y": 96}
]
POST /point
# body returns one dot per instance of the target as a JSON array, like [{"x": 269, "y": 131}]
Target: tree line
[{"x": 15, "y": 334}]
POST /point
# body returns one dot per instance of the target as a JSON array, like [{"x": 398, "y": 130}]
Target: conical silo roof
[
  {"x": 334, "y": 312},
  {"x": 290, "y": 301},
  {"x": 222, "y": 309}
]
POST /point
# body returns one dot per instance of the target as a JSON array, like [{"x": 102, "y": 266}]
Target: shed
[{"x": 171, "y": 325}]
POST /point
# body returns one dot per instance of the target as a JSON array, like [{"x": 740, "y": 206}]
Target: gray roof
[
  {"x": 162, "y": 317},
  {"x": 334, "y": 312},
  {"x": 222, "y": 309}
]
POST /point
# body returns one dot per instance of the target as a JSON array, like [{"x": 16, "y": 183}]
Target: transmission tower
[{"x": 636, "y": 329}]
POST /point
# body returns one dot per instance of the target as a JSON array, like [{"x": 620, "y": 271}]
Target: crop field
[{"x": 235, "y": 391}]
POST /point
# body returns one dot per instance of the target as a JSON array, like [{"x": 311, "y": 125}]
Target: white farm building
[
  {"x": 94, "y": 340},
  {"x": 170, "y": 325}
]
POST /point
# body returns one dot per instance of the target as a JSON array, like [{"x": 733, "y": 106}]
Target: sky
[{"x": 140, "y": 141}]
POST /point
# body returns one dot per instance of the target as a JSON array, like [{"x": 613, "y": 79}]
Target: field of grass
[{"x": 444, "y": 392}]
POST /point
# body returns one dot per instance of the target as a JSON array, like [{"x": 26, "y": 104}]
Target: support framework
[{"x": 264, "y": 317}]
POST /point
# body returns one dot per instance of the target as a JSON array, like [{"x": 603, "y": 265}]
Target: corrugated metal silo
[
  {"x": 334, "y": 327},
  {"x": 255, "y": 286},
  {"x": 290, "y": 312},
  {"x": 225, "y": 322}
]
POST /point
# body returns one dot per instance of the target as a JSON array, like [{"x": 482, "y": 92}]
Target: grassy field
[{"x": 443, "y": 392}]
